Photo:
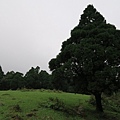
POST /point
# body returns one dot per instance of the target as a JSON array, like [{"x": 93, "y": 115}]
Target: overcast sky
[{"x": 32, "y": 31}]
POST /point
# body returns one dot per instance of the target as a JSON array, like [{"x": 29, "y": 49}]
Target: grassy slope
[{"x": 31, "y": 109}]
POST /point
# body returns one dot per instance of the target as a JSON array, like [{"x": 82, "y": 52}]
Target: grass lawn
[{"x": 48, "y": 105}]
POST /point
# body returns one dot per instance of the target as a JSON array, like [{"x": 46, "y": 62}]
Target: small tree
[
  {"x": 45, "y": 80},
  {"x": 32, "y": 78},
  {"x": 90, "y": 58},
  {"x": 1, "y": 73},
  {"x": 1, "y": 76}
]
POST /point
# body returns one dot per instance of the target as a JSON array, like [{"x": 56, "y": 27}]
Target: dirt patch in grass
[
  {"x": 17, "y": 117},
  {"x": 34, "y": 110},
  {"x": 1, "y": 104},
  {"x": 16, "y": 108},
  {"x": 47, "y": 118},
  {"x": 31, "y": 114}
]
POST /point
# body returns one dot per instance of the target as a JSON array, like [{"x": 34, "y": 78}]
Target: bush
[{"x": 59, "y": 105}]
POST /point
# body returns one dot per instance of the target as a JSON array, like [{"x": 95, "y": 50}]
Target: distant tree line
[{"x": 33, "y": 79}]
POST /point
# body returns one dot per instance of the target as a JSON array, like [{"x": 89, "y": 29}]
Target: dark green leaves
[{"x": 90, "y": 58}]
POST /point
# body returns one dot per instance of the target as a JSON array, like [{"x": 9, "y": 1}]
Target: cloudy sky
[{"x": 32, "y": 31}]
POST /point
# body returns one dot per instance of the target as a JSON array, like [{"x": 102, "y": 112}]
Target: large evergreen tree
[{"x": 90, "y": 58}]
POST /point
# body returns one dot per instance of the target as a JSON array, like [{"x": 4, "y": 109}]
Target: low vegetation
[{"x": 54, "y": 105}]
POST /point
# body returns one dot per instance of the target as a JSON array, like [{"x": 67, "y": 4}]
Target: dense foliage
[
  {"x": 90, "y": 59},
  {"x": 33, "y": 79}
]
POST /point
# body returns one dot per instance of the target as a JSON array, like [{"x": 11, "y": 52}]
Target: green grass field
[{"x": 48, "y": 105}]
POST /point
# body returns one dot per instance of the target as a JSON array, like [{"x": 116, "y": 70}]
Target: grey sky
[{"x": 32, "y": 31}]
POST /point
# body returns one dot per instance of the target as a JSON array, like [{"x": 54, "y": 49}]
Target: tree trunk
[{"x": 99, "y": 107}]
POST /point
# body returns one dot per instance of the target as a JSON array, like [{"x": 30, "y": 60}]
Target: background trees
[
  {"x": 45, "y": 80},
  {"x": 1, "y": 73},
  {"x": 1, "y": 76},
  {"x": 12, "y": 81},
  {"x": 90, "y": 59},
  {"x": 33, "y": 79}
]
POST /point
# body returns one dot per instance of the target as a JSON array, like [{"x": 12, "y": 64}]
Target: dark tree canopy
[
  {"x": 90, "y": 58},
  {"x": 33, "y": 79},
  {"x": 1, "y": 73}
]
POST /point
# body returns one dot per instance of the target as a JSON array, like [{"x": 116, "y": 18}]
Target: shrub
[{"x": 59, "y": 105}]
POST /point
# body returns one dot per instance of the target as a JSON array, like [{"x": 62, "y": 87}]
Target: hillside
[{"x": 49, "y": 105}]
